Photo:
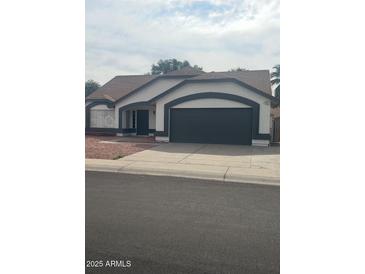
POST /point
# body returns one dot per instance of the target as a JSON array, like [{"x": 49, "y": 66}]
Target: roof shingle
[{"x": 121, "y": 86}]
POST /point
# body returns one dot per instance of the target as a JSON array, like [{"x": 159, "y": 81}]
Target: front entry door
[{"x": 142, "y": 122}]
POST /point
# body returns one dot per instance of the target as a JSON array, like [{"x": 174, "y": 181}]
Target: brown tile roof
[{"x": 121, "y": 86}]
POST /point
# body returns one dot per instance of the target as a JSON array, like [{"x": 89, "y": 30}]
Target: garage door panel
[{"x": 211, "y": 125}]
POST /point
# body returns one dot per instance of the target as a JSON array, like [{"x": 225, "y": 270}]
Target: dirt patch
[
  {"x": 149, "y": 139},
  {"x": 113, "y": 148}
]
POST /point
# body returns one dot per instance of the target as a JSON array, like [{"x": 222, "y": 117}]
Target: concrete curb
[
  {"x": 256, "y": 181},
  {"x": 204, "y": 172}
]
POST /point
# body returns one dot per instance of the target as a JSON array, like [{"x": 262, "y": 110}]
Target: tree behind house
[
  {"x": 238, "y": 69},
  {"x": 167, "y": 65},
  {"x": 90, "y": 87},
  {"x": 275, "y": 80}
]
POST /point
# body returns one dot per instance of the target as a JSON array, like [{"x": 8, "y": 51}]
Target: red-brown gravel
[{"x": 94, "y": 149}]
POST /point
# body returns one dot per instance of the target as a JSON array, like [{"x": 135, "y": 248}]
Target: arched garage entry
[{"x": 212, "y": 125}]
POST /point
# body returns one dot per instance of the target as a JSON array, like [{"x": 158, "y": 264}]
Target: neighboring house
[{"x": 186, "y": 105}]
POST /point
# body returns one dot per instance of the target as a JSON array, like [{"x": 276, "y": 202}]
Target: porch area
[{"x": 137, "y": 120}]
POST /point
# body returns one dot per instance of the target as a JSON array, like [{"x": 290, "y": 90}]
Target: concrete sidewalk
[{"x": 226, "y": 163}]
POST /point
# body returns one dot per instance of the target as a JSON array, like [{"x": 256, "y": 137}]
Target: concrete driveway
[
  {"x": 206, "y": 161},
  {"x": 207, "y": 154},
  {"x": 227, "y": 163}
]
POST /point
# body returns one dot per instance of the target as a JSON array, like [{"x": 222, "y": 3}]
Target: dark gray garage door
[{"x": 211, "y": 125}]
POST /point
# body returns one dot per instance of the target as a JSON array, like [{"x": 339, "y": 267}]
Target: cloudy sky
[{"x": 128, "y": 36}]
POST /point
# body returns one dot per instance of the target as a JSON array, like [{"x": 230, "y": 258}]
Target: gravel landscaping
[{"x": 112, "y": 147}]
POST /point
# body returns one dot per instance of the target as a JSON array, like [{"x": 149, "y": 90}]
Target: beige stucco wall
[
  {"x": 101, "y": 117},
  {"x": 224, "y": 87},
  {"x": 152, "y": 117},
  {"x": 211, "y": 103},
  {"x": 101, "y": 107},
  {"x": 146, "y": 94}
]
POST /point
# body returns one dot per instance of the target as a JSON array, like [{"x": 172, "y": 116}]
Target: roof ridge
[
  {"x": 136, "y": 75},
  {"x": 226, "y": 71},
  {"x": 249, "y": 70}
]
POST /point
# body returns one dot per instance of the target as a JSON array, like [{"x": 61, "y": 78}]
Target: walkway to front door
[{"x": 142, "y": 122}]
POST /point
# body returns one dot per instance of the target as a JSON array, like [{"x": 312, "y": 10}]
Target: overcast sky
[{"x": 127, "y": 36}]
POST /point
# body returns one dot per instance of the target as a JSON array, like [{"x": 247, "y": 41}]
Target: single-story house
[{"x": 185, "y": 105}]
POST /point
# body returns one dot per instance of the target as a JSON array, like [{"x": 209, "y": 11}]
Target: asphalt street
[{"x": 177, "y": 225}]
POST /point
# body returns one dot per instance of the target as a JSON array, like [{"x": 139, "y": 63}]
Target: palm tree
[{"x": 275, "y": 80}]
